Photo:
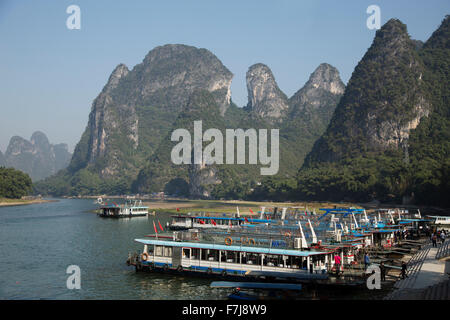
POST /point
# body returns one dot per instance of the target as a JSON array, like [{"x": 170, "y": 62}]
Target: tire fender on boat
[
  {"x": 223, "y": 273},
  {"x": 166, "y": 267},
  {"x": 180, "y": 269},
  {"x": 144, "y": 256}
]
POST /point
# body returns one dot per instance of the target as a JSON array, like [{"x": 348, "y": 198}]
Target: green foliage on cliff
[
  {"x": 344, "y": 166},
  {"x": 14, "y": 184}
]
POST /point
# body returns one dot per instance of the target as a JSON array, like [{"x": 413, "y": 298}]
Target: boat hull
[
  {"x": 121, "y": 215},
  {"x": 230, "y": 276}
]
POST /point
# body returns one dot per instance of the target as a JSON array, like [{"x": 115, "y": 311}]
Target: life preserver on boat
[
  {"x": 287, "y": 234},
  {"x": 228, "y": 241},
  {"x": 180, "y": 269},
  {"x": 251, "y": 241},
  {"x": 166, "y": 267},
  {"x": 144, "y": 256}
]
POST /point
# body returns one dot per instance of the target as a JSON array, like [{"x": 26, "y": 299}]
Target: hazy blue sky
[{"x": 50, "y": 74}]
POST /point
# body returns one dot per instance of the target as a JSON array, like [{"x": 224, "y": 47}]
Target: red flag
[
  {"x": 201, "y": 221},
  {"x": 230, "y": 224},
  {"x": 251, "y": 212},
  {"x": 246, "y": 220},
  {"x": 154, "y": 227},
  {"x": 178, "y": 209},
  {"x": 160, "y": 226},
  {"x": 213, "y": 222}
]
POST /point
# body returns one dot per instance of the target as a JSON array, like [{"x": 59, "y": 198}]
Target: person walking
[
  {"x": 404, "y": 269},
  {"x": 434, "y": 240},
  {"x": 442, "y": 236}
]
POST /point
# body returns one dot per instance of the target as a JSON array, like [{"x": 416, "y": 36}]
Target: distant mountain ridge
[{"x": 36, "y": 157}]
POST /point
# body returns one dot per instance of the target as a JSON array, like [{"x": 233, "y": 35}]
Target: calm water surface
[{"x": 38, "y": 242}]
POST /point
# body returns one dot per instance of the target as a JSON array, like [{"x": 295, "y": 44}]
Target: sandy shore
[
  {"x": 217, "y": 206},
  {"x": 19, "y": 202}
]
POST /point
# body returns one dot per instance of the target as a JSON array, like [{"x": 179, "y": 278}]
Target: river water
[{"x": 38, "y": 242}]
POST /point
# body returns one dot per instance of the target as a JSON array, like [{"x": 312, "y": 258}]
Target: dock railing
[{"x": 444, "y": 249}]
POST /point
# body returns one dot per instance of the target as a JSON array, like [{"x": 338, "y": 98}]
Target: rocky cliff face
[
  {"x": 136, "y": 108},
  {"x": 36, "y": 157},
  {"x": 314, "y": 104},
  {"x": 264, "y": 96},
  {"x": 202, "y": 179},
  {"x": 384, "y": 99}
]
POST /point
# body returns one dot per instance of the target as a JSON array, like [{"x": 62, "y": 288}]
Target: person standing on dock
[
  {"x": 404, "y": 270},
  {"x": 337, "y": 263},
  {"x": 383, "y": 271},
  {"x": 366, "y": 261}
]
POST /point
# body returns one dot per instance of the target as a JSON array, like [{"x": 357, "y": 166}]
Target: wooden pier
[{"x": 428, "y": 275}]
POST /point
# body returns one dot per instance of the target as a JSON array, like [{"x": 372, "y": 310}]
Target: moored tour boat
[{"x": 127, "y": 210}]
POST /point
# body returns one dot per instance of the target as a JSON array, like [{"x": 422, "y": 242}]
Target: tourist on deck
[
  {"x": 383, "y": 271},
  {"x": 404, "y": 270},
  {"x": 442, "y": 236}
]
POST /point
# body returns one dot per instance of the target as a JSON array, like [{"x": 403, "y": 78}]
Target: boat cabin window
[
  {"x": 167, "y": 251},
  {"x": 159, "y": 251},
  {"x": 251, "y": 258},
  {"x": 210, "y": 255},
  {"x": 229, "y": 256},
  {"x": 273, "y": 260},
  {"x": 195, "y": 253},
  {"x": 186, "y": 253}
]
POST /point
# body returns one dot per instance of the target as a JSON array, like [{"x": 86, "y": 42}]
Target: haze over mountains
[
  {"x": 361, "y": 142},
  {"x": 36, "y": 157}
]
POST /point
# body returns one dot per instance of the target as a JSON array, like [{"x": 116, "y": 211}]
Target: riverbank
[{"x": 4, "y": 202}]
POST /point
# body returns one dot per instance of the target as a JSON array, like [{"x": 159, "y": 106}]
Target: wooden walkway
[{"x": 426, "y": 278}]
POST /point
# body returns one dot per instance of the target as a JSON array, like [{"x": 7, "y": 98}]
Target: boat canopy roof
[
  {"x": 285, "y": 252},
  {"x": 222, "y": 218}
]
